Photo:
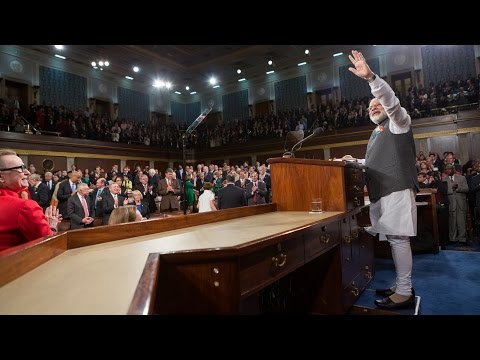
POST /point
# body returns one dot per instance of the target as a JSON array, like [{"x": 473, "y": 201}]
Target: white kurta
[{"x": 396, "y": 213}]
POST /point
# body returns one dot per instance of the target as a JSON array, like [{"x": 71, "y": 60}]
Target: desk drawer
[
  {"x": 320, "y": 239},
  {"x": 262, "y": 267}
]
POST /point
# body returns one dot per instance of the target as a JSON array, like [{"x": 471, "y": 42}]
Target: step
[{"x": 365, "y": 305}]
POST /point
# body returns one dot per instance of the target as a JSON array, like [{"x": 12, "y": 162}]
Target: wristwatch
[{"x": 370, "y": 79}]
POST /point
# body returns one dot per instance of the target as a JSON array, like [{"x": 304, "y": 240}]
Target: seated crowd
[
  {"x": 423, "y": 101},
  {"x": 92, "y": 198}
]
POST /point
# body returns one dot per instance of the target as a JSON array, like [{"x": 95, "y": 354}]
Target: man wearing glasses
[{"x": 21, "y": 220}]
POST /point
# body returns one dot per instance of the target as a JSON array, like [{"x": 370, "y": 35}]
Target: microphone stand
[
  {"x": 189, "y": 131},
  {"x": 184, "y": 146},
  {"x": 291, "y": 153}
]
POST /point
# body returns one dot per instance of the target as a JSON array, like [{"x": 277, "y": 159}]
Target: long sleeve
[{"x": 400, "y": 120}]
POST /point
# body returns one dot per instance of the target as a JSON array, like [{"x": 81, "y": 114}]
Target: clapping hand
[{"x": 53, "y": 217}]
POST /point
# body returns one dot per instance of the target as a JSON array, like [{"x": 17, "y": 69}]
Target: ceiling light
[
  {"x": 101, "y": 63},
  {"x": 212, "y": 81},
  {"x": 187, "y": 87},
  {"x": 338, "y": 54},
  {"x": 302, "y": 63},
  {"x": 178, "y": 92},
  {"x": 239, "y": 71},
  {"x": 193, "y": 92},
  {"x": 168, "y": 85},
  {"x": 270, "y": 62},
  {"x": 136, "y": 69},
  {"x": 307, "y": 52},
  {"x": 58, "y": 47},
  {"x": 242, "y": 79},
  {"x": 128, "y": 77},
  {"x": 60, "y": 56},
  {"x": 270, "y": 72},
  {"x": 216, "y": 86}
]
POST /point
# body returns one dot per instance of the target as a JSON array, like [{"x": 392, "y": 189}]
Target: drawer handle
[
  {"x": 356, "y": 188},
  {"x": 280, "y": 261},
  {"x": 325, "y": 238},
  {"x": 347, "y": 239},
  {"x": 355, "y": 291},
  {"x": 354, "y": 234}
]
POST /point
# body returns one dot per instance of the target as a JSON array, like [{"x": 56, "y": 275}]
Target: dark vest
[{"x": 390, "y": 161}]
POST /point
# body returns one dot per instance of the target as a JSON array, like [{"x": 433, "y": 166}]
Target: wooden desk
[
  {"x": 103, "y": 278},
  {"x": 223, "y": 262}
]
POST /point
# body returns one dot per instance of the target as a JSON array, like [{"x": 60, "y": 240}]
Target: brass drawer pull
[
  {"x": 325, "y": 238},
  {"x": 347, "y": 239},
  {"x": 280, "y": 261}
]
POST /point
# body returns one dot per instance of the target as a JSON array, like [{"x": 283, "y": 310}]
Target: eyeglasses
[{"x": 21, "y": 167}]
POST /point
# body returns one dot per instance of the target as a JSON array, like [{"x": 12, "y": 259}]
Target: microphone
[
  {"x": 200, "y": 118},
  {"x": 297, "y": 145}
]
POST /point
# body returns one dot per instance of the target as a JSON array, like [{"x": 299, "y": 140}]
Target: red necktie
[{"x": 85, "y": 207}]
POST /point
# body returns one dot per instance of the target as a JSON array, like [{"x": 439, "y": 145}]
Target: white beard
[{"x": 378, "y": 118}]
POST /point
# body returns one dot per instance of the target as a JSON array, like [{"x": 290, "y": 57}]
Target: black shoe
[
  {"x": 384, "y": 292},
  {"x": 388, "y": 304}
]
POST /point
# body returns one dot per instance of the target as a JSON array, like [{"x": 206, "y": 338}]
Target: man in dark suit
[
  {"x": 231, "y": 196},
  {"x": 180, "y": 173},
  {"x": 97, "y": 196},
  {"x": 38, "y": 191},
  {"x": 147, "y": 193},
  {"x": 111, "y": 200},
  {"x": 80, "y": 208},
  {"x": 242, "y": 180},
  {"x": 255, "y": 191},
  {"x": 48, "y": 180},
  {"x": 65, "y": 190}
]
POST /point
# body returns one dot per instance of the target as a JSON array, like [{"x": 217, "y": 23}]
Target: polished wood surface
[
  {"x": 143, "y": 302},
  {"x": 107, "y": 233},
  {"x": 102, "y": 279},
  {"x": 295, "y": 182},
  {"x": 20, "y": 260}
]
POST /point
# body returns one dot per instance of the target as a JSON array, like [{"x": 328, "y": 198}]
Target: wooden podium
[{"x": 295, "y": 182}]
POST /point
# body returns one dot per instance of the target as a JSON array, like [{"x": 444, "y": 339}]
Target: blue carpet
[{"x": 448, "y": 282}]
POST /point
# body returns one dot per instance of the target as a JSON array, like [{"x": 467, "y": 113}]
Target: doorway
[
  {"x": 324, "y": 97},
  {"x": 262, "y": 108},
  {"x": 17, "y": 96},
  {"x": 401, "y": 83},
  {"x": 103, "y": 107}
]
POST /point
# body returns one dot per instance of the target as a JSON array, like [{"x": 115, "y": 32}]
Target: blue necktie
[
  {"x": 98, "y": 194},
  {"x": 73, "y": 188}
]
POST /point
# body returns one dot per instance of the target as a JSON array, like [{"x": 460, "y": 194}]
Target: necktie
[
  {"x": 115, "y": 198},
  {"x": 451, "y": 178},
  {"x": 99, "y": 193},
  {"x": 50, "y": 185},
  {"x": 85, "y": 207},
  {"x": 73, "y": 188}
]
